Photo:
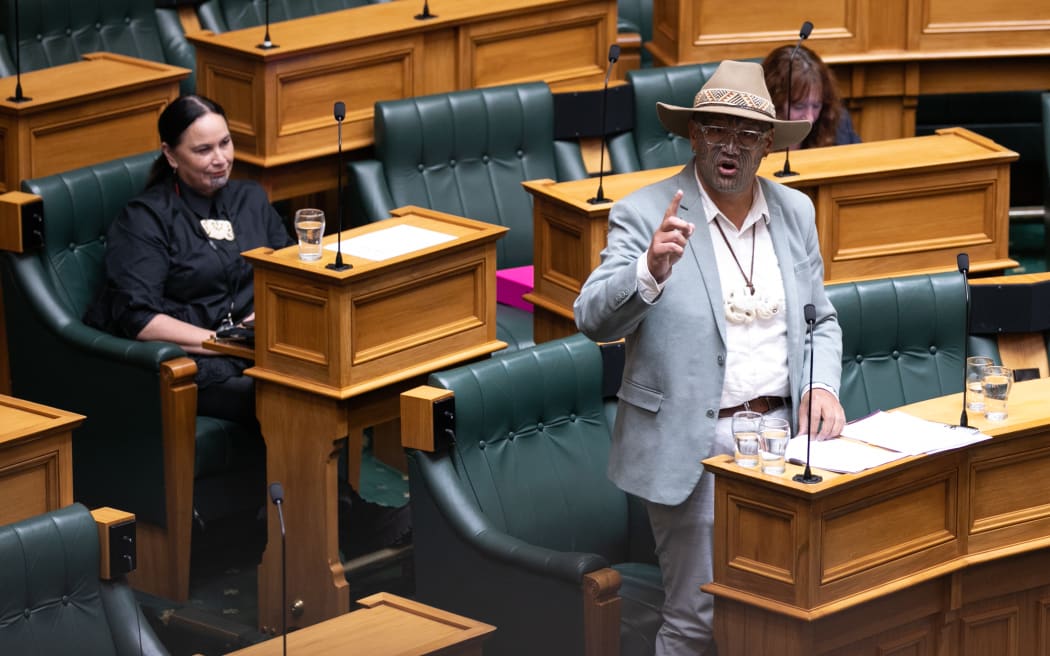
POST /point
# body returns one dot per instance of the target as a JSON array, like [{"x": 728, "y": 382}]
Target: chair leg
[{"x": 601, "y": 613}]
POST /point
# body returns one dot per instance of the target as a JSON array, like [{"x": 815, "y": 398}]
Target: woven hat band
[{"x": 734, "y": 98}]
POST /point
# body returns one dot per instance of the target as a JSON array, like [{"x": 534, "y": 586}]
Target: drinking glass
[
  {"x": 975, "y": 366},
  {"x": 997, "y": 382},
  {"x": 309, "y": 227},
  {"x": 774, "y": 435},
  {"x": 746, "y": 425}
]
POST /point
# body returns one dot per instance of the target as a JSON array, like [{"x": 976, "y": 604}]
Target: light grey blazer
[{"x": 676, "y": 347}]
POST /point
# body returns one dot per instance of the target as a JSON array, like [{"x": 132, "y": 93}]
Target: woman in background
[{"x": 814, "y": 96}]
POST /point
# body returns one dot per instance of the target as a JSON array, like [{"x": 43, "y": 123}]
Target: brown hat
[{"x": 735, "y": 89}]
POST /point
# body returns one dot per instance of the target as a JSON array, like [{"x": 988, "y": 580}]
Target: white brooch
[
  {"x": 218, "y": 229},
  {"x": 741, "y": 306}
]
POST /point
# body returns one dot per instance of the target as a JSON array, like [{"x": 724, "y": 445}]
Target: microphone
[
  {"x": 963, "y": 261},
  {"x": 809, "y": 311},
  {"x": 426, "y": 12},
  {"x": 614, "y": 55},
  {"x": 277, "y": 497},
  {"x": 803, "y": 34},
  {"x": 267, "y": 44},
  {"x": 18, "y": 97},
  {"x": 339, "y": 110}
]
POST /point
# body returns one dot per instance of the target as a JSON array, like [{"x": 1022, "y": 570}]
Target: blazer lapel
[
  {"x": 781, "y": 246},
  {"x": 699, "y": 246}
]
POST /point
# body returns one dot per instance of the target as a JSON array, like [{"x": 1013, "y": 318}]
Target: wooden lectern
[
  {"x": 938, "y": 554},
  {"x": 101, "y": 108},
  {"x": 333, "y": 351},
  {"x": 882, "y": 209},
  {"x": 279, "y": 101}
]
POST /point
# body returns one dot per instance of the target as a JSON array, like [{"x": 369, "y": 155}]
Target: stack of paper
[{"x": 878, "y": 439}]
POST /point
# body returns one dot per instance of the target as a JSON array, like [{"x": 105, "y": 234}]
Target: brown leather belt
[{"x": 762, "y": 405}]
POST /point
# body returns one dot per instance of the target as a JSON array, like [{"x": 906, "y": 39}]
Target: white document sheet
[
  {"x": 910, "y": 435},
  {"x": 839, "y": 455},
  {"x": 391, "y": 242}
]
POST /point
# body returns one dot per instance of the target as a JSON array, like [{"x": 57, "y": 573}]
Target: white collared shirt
[{"x": 756, "y": 352}]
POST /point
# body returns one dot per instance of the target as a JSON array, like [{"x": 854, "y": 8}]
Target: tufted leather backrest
[
  {"x": 224, "y": 15},
  {"x": 902, "y": 340},
  {"x": 79, "y": 205},
  {"x": 532, "y": 446},
  {"x": 51, "y": 599},
  {"x": 467, "y": 153},
  {"x": 55, "y": 32}
]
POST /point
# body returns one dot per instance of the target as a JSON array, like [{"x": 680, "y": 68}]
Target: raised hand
[{"x": 669, "y": 241}]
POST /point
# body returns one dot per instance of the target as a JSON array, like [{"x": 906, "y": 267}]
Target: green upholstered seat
[
  {"x": 637, "y": 16},
  {"x": 509, "y": 518},
  {"x": 132, "y": 452},
  {"x": 466, "y": 153},
  {"x": 57, "y": 32},
  {"x": 902, "y": 340},
  {"x": 52, "y": 600},
  {"x": 225, "y": 15}
]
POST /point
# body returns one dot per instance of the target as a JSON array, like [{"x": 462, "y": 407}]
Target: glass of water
[
  {"x": 996, "y": 385},
  {"x": 746, "y": 426},
  {"x": 975, "y": 366},
  {"x": 309, "y": 227},
  {"x": 774, "y": 435}
]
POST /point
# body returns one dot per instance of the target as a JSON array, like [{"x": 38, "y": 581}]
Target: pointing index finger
[{"x": 672, "y": 209}]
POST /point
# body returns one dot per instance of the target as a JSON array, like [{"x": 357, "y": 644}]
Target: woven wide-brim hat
[{"x": 735, "y": 89}]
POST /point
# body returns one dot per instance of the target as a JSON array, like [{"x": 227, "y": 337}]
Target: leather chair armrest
[
  {"x": 568, "y": 160},
  {"x": 462, "y": 514},
  {"x": 7, "y": 66},
  {"x": 623, "y": 154},
  {"x": 210, "y": 17},
  {"x": 131, "y": 631},
  {"x": 369, "y": 192}
]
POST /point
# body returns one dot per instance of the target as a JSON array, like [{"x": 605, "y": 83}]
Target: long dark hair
[
  {"x": 173, "y": 121},
  {"x": 807, "y": 70}
]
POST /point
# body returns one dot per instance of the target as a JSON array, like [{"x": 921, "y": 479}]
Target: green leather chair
[
  {"x": 57, "y": 32},
  {"x": 636, "y": 16},
  {"x": 515, "y": 522},
  {"x": 52, "y": 600},
  {"x": 1045, "y": 107},
  {"x": 649, "y": 145},
  {"x": 225, "y": 15},
  {"x": 467, "y": 153},
  {"x": 142, "y": 448},
  {"x": 902, "y": 340}
]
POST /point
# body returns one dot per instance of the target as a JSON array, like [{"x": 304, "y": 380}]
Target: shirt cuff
[
  {"x": 648, "y": 288},
  {"x": 820, "y": 386}
]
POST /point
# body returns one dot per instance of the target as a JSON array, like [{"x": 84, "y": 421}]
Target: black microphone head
[
  {"x": 614, "y": 53},
  {"x": 276, "y": 492},
  {"x": 963, "y": 260},
  {"x": 809, "y": 311},
  {"x": 339, "y": 110},
  {"x": 807, "y": 29}
]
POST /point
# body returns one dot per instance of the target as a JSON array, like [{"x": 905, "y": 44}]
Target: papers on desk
[
  {"x": 391, "y": 242},
  {"x": 881, "y": 438}
]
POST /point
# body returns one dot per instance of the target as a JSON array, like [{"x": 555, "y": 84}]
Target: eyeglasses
[{"x": 719, "y": 135}]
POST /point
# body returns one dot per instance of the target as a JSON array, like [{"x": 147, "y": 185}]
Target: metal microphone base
[
  {"x": 808, "y": 478},
  {"x": 267, "y": 45},
  {"x": 598, "y": 200},
  {"x": 338, "y": 266},
  {"x": 785, "y": 173},
  {"x": 425, "y": 15},
  {"x": 18, "y": 98}
]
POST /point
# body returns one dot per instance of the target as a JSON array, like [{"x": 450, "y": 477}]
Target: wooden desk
[
  {"x": 36, "y": 458},
  {"x": 884, "y": 54},
  {"x": 279, "y": 102},
  {"x": 935, "y": 554},
  {"x": 90, "y": 111},
  {"x": 388, "y": 626},
  {"x": 882, "y": 208},
  {"x": 333, "y": 352}
]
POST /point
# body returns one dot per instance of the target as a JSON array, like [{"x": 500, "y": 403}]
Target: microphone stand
[
  {"x": 426, "y": 12},
  {"x": 803, "y": 34},
  {"x": 614, "y": 55},
  {"x": 808, "y": 476},
  {"x": 963, "y": 261},
  {"x": 339, "y": 265},
  {"x": 267, "y": 44},
  {"x": 277, "y": 496},
  {"x": 18, "y": 97}
]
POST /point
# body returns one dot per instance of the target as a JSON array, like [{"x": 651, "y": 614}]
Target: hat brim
[{"x": 786, "y": 133}]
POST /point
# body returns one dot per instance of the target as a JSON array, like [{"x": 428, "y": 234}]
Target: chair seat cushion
[
  {"x": 224, "y": 446},
  {"x": 642, "y": 595}
]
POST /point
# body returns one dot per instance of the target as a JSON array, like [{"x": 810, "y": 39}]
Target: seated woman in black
[
  {"x": 814, "y": 96},
  {"x": 174, "y": 270}
]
